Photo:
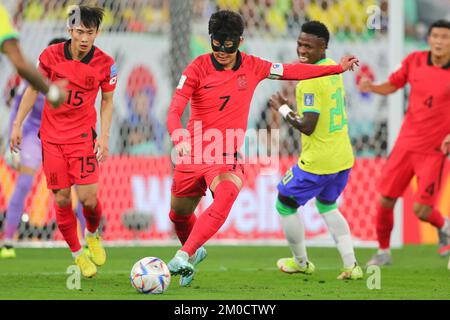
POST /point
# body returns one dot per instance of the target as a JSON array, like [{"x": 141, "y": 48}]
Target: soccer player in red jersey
[
  {"x": 220, "y": 87},
  {"x": 71, "y": 151},
  {"x": 423, "y": 141}
]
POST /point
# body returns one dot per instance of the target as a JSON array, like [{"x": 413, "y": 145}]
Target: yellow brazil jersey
[
  {"x": 6, "y": 29},
  {"x": 328, "y": 149}
]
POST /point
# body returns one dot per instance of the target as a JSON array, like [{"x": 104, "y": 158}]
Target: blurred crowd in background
[{"x": 344, "y": 18}]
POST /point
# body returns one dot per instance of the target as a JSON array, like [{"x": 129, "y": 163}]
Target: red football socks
[
  {"x": 385, "y": 224},
  {"x": 213, "y": 218},
  {"x": 93, "y": 217},
  {"x": 183, "y": 224},
  {"x": 67, "y": 224},
  {"x": 436, "y": 219}
]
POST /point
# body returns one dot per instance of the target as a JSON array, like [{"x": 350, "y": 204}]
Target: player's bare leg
[
  {"x": 92, "y": 211},
  {"x": 429, "y": 214},
  {"x": 384, "y": 226},
  {"x": 226, "y": 187},
  {"x": 15, "y": 209}
]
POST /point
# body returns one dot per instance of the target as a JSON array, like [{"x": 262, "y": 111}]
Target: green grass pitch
[{"x": 228, "y": 273}]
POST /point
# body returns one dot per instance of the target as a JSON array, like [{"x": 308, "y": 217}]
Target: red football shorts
[
  {"x": 68, "y": 164},
  {"x": 402, "y": 165},
  {"x": 192, "y": 180}
]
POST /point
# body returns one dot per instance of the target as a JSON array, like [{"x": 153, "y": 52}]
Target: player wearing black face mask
[{"x": 222, "y": 42}]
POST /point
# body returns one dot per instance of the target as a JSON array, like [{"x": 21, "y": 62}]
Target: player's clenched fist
[
  {"x": 349, "y": 62},
  {"x": 16, "y": 138},
  {"x": 101, "y": 149},
  {"x": 57, "y": 93},
  {"x": 277, "y": 100}
]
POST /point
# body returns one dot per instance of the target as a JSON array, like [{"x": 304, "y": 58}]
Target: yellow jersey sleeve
[
  {"x": 7, "y": 31},
  {"x": 309, "y": 96}
]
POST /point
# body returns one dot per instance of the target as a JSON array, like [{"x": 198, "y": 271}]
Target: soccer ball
[{"x": 150, "y": 275}]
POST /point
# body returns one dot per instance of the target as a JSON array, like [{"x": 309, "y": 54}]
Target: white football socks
[
  {"x": 339, "y": 229},
  {"x": 294, "y": 230},
  {"x": 77, "y": 253},
  {"x": 91, "y": 234},
  {"x": 445, "y": 228},
  {"x": 384, "y": 251}
]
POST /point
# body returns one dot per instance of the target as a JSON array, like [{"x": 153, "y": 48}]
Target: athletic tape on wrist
[{"x": 284, "y": 110}]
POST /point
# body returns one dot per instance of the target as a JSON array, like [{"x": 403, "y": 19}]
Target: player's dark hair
[
  {"x": 318, "y": 29},
  {"x": 91, "y": 17},
  {"x": 226, "y": 22},
  {"x": 56, "y": 40},
  {"x": 439, "y": 24}
]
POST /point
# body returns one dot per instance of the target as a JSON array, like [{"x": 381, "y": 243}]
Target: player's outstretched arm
[
  {"x": 101, "y": 147},
  {"x": 303, "y": 71},
  {"x": 26, "y": 104},
  {"x": 305, "y": 125},
  {"x": 349, "y": 63},
  {"x": 55, "y": 93},
  {"x": 367, "y": 86},
  {"x": 12, "y": 50}
]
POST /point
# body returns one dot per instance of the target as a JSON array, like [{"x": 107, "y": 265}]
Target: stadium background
[{"x": 152, "y": 41}]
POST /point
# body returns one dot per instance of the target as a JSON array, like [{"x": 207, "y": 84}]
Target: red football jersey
[
  {"x": 427, "y": 120},
  {"x": 220, "y": 99},
  {"x": 75, "y": 120}
]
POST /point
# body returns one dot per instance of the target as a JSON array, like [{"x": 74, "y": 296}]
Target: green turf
[{"x": 228, "y": 273}]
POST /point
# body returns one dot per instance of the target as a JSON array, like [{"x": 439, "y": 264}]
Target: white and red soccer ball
[{"x": 150, "y": 275}]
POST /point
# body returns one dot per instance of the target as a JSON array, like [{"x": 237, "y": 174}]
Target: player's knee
[
  {"x": 90, "y": 205},
  {"x": 181, "y": 207},
  {"x": 89, "y": 201},
  {"x": 225, "y": 194},
  {"x": 62, "y": 198},
  {"x": 387, "y": 202},
  {"x": 286, "y": 205},
  {"x": 422, "y": 211},
  {"x": 62, "y": 203},
  {"x": 324, "y": 207},
  {"x": 176, "y": 217}
]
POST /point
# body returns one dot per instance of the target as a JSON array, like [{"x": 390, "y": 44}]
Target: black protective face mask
[{"x": 221, "y": 38}]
